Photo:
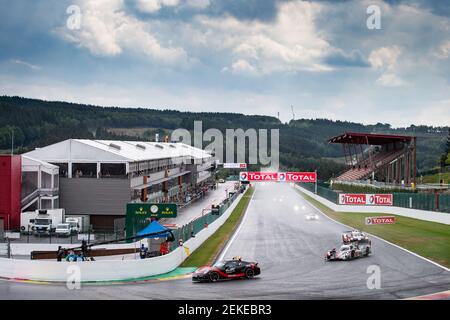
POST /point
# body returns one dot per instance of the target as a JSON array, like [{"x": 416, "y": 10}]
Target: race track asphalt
[{"x": 290, "y": 252}]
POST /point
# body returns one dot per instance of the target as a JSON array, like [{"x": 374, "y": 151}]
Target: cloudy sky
[{"x": 249, "y": 56}]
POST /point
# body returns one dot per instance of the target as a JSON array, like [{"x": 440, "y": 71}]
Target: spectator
[
  {"x": 143, "y": 252},
  {"x": 84, "y": 248},
  {"x": 164, "y": 248},
  {"x": 71, "y": 256},
  {"x": 60, "y": 254}
]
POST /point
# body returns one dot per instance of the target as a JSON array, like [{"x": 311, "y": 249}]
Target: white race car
[
  {"x": 312, "y": 216},
  {"x": 353, "y": 235},
  {"x": 350, "y": 251}
]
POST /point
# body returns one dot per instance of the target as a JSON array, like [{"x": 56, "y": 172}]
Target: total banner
[
  {"x": 364, "y": 199},
  {"x": 279, "y": 176},
  {"x": 380, "y": 220}
]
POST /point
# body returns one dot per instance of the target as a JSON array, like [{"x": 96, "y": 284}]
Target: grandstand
[{"x": 385, "y": 158}]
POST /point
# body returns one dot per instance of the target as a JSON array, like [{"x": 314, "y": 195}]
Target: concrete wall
[
  {"x": 432, "y": 216},
  {"x": 108, "y": 270},
  {"x": 94, "y": 196}
]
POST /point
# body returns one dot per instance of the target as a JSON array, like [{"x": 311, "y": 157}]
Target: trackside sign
[
  {"x": 366, "y": 199},
  {"x": 279, "y": 176},
  {"x": 380, "y": 220},
  {"x": 230, "y": 165}
]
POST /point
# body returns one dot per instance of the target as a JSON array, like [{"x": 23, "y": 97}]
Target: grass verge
[
  {"x": 205, "y": 254},
  {"x": 435, "y": 178},
  {"x": 428, "y": 239}
]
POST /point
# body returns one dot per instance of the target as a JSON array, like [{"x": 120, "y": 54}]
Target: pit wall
[
  {"x": 432, "y": 216},
  {"x": 109, "y": 270}
]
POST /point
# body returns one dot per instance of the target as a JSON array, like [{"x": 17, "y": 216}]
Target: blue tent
[{"x": 152, "y": 228}]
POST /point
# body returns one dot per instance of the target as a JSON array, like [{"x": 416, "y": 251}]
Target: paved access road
[{"x": 290, "y": 252}]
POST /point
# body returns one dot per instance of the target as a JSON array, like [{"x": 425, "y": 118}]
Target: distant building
[
  {"x": 40, "y": 185},
  {"x": 98, "y": 177}
]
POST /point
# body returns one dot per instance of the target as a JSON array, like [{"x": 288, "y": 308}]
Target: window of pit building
[
  {"x": 84, "y": 170},
  {"x": 113, "y": 170},
  {"x": 46, "y": 180},
  {"x": 56, "y": 181},
  {"x": 63, "y": 169}
]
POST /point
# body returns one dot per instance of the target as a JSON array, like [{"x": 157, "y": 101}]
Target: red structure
[
  {"x": 10, "y": 190},
  {"x": 389, "y": 158}
]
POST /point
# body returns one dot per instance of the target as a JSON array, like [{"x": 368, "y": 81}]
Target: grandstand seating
[{"x": 364, "y": 168}]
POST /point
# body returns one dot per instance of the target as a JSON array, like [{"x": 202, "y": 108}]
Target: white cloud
[
  {"x": 385, "y": 57},
  {"x": 151, "y": 6},
  {"x": 390, "y": 80},
  {"x": 291, "y": 43},
  {"x": 26, "y": 64},
  {"x": 199, "y": 4},
  {"x": 437, "y": 113},
  {"x": 107, "y": 30},
  {"x": 443, "y": 52},
  {"x": 241, "y": 66}
]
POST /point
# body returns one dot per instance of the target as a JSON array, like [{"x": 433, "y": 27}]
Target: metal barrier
[
  {"x": 421, "y": 201},
  {"x": 189, "y": 230},
  {"x": 184, "y": 233}
]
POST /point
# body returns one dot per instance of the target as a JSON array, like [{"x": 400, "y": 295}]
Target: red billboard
[
  {"x": 380, "y": 199},
  {"x": 380, "y": 220},
  {"x": 366, "y": 199},
  {"x": 258, "y": 176},
  {"x": 279, "y": 176},
  {"x": 355, "y": 199},
  {"x": 297, "y": 176}
]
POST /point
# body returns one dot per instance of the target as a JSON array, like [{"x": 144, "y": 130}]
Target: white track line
[
  {"x": 224, "y": 251},
  {"x": 392, "y": 244}
]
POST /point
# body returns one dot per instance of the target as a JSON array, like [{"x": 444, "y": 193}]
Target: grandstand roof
[
  {"x": 370, "y": 138},
  {"x": 83, "y": 150}
]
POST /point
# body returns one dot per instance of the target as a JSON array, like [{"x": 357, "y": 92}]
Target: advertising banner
[
  {"x": 152, "y": 210},
  {"x": 297, "y": 176},
  {"x": 380, "y": 220},
  {"x": 366, "y": 199},
  {"x": 279, "y": 176},
  {"x": 231, "y": 165}
]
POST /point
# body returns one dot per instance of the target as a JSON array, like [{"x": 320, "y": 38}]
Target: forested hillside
[{"x": 303, "y": 143}]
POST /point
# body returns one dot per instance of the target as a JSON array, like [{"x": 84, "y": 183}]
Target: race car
[
  {"x": 350, "y": 251},
  {"x": 353, "y": 235},
  {"x": 225, "y": 270},
  {"x": 312, "y": 216}
]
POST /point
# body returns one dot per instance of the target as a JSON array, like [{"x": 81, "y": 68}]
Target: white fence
[
  {"x": 432, "y": 216},
  {"x": 108, "y": 270}
]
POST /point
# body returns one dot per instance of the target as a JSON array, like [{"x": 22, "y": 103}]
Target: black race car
[{"x": 224, "y": 270}]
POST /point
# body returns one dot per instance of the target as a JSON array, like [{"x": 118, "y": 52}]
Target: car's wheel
[
  {"x": 249, "y": 273},
  {"x": 352, "y": 255},
  {"x": 213, "y": 276},
  {"x": 367, "y": 251}
]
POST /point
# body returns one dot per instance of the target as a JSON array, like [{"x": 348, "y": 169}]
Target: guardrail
[
  {"x": 425, "y": 215},
  {"x": 111, "y": 270}
]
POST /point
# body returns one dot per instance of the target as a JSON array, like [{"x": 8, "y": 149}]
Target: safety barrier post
[{"x": 437, "y": 201}]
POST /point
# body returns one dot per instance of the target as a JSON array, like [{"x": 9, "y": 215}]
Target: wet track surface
[{"x": 290, "y": 252}]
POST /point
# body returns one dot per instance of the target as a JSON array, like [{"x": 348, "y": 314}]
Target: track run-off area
[{"x": 290, "y": 251}]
